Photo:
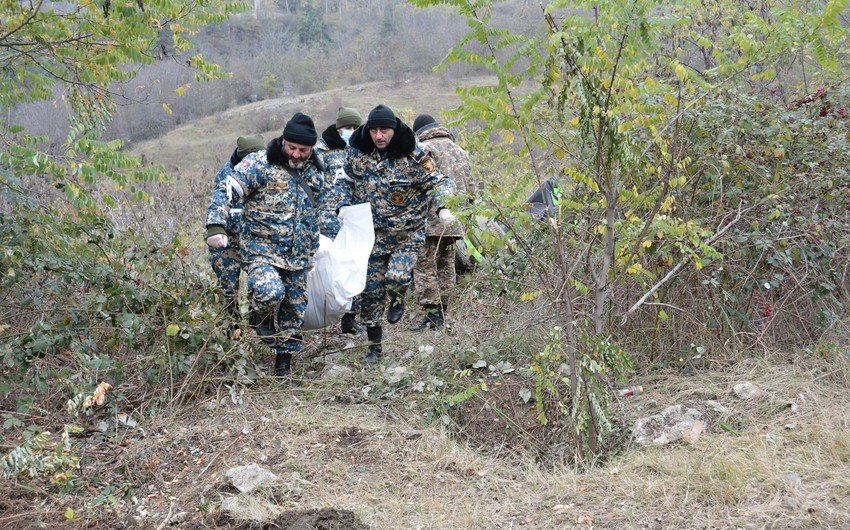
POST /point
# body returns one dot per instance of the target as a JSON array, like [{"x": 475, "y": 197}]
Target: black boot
[
  {"x": 438, "y": 320},
  {"x": 396, "y": 309},
  {"x": 375, "y": 334},
  {"x": 433, "y": 318},
  {"x": 283, "y": 364},
  {"x": 349, "y": 325}
]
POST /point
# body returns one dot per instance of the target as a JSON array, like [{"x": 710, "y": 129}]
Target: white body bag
[{"x": 339, "y": 267}]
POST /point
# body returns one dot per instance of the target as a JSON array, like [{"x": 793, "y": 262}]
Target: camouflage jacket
[
  {"x": 234, "y": 213},
  {"x": 453, "y": 161},
  {"x": 331, "y": 150},
  {"x": 279, "y": 225},
  {"x": 401, "y": 184}
]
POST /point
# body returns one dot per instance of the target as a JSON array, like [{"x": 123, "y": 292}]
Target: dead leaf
[
  {"x": 692, "y": 435},
  {"x": 100, "y": 393}
]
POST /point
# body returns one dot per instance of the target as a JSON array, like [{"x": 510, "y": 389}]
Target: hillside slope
[
  {"x": 209, "y": 141},
  {"x": 346, "y": 459}
]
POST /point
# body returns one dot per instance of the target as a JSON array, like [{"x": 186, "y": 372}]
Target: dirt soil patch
[
  {"x": 22, "y": 508},
  {"x": 321, "y": 519},
  {"x": 500, "y": 421}
]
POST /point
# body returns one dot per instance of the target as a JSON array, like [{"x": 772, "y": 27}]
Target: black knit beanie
[
  {"x": 300, "y": 130},
  {"x": 381, "y": 117},
  {"x": 421, "y": 121}
]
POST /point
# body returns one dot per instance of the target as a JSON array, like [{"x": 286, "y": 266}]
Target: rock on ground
[
  {"x": 746, "y": 390},
  {"x": 251, "y": 477},
  {"x": 666, "y": 427},
  {"x": 248, "y": 509}
]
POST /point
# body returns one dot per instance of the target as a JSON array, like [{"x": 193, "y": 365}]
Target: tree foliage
[
  {"x": 81, "y": 299},
  {"x": 615, "y": 103},
  {"x": 72, "y": 53}
]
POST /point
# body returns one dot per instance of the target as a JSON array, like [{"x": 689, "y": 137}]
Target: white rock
[
  {"x": 746, "y": 390},
  {"x": 251, "y": 477},
  {"x": 716, "y": 407},
  {"x": 666, "y": 427},
  {"x": 247, "y": 508},
  {"x": 335, "y": 370}
]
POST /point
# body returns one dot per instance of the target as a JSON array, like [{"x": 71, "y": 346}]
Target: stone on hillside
[
  {"x": 666, "y": 427},
  {"x": 746, "y": 390},
  {"x": 335, "y": 370},
  {"x": 251, "y": 477}
]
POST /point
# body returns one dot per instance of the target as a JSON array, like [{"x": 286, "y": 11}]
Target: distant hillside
[
  {"x": 205, "y": 143},
  {"x": 192, "y": 153}
]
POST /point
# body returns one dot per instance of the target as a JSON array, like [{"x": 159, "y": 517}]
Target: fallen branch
[
  {"x": 685, "y": 260},
  {"x": 26, "y": 514}
]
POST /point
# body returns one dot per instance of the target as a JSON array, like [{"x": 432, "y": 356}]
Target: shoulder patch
[{"x": 428, "y": 164}]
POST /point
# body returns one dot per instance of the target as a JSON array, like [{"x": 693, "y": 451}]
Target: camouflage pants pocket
[{"x": 278, "y": 300}]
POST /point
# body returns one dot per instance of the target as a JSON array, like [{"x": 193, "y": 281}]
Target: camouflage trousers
[
  {"x": 387, "y": 273},
  {"x": 434, "y": 275},
  {"x": 278, "y": 299},
  {"x": 227, "y": 265}
]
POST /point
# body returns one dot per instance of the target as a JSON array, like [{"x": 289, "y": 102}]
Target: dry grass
[
  {"x": 381, "y": 460},
  {"x": 193, "y": 148}
]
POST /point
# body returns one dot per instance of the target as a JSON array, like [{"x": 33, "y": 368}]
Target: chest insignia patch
[{"x": 397, "y": 198}]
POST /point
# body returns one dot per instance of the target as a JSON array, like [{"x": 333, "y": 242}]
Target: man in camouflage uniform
[
  {"x": 434, "y": 274},
  {"x": 386, "y": 168},
  {"x": 225, "y": 261},
  {"x": 279, "y": 188},
  {"x": 332, "y": 150}
]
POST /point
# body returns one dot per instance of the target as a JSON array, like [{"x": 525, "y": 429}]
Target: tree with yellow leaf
[{"x": 608, "y": 99}]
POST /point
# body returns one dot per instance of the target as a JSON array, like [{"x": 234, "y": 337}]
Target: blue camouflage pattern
[
  {"x": 400, "y": 190},
  {"x": 385, "y": 274},
  {"x": 278, "y": 236},
  {"x": 400, "y": 187},
  {"x": 234, "y": 211},
  {"x": 278, "y": 301},
  {"x": 334, "y": 162},
  {"x": 278, "y": 224},
  {"x": 227, "y": 266},
  {"x": 225, "y": 262}
]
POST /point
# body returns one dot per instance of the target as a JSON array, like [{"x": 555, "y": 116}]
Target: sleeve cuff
[{"x": 214, "y": 230}]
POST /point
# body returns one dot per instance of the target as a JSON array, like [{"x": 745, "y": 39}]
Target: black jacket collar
[
  {"x": 276, "y": 156},
  {"x": 332, "y": 138},
  {"x": 402, "y": 144},
  {"x": 234, "y": 158}
]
